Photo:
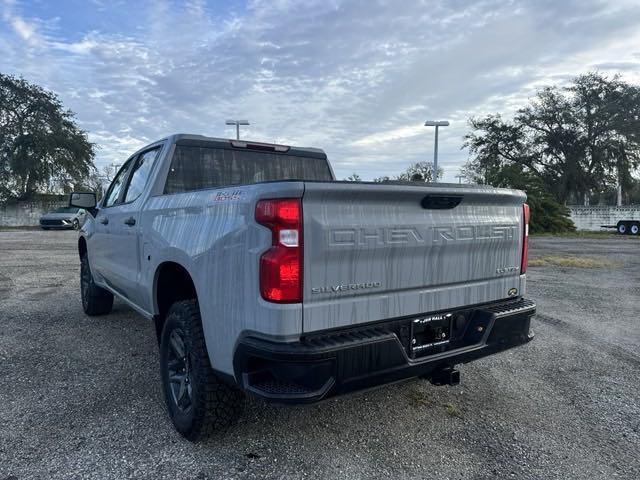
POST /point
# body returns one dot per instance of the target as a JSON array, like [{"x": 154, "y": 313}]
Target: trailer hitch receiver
[{"x": 445, "y": 376}]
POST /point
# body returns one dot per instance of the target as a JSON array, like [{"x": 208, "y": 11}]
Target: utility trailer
[{"x": 625, "y": 227}]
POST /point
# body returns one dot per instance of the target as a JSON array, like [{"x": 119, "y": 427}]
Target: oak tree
[{"x": 40, "y": 142}]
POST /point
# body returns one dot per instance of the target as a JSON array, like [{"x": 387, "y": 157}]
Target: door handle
[
  {"x": 130, "y": 221},
  {"x": 104, "y": 220}
]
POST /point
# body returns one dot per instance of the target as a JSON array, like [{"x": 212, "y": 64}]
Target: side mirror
[{"x": 86, "y": 200}]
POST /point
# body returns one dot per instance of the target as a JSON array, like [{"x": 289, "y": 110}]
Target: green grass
[
  {"x": 578, "y": 234},
  {"x": 419, "y": 399},
  {"x": 572, "y": 261},
  {"x": 452, "y": 410},
  {"x": 10, "y": 229}
]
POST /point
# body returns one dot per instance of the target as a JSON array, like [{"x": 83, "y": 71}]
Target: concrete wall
[
  {"x": 590, "y": 218},
  {"x": 26, "y": 213}
]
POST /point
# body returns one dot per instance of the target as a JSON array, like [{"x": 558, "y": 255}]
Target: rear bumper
[{"x": 333, "y": 363}]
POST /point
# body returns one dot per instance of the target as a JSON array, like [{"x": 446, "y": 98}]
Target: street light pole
[
  {"x": 237, "y": 123},
  {"x": 435, "y": 155},
  {"x": 436, "y": 123}
]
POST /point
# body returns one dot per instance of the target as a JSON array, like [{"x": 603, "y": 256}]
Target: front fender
[{"x": 88, "y": 228}]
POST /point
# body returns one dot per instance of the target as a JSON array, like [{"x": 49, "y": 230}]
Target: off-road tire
[
  {"x": 214, "y": 404},
  {"x": 95, "y": 300}
]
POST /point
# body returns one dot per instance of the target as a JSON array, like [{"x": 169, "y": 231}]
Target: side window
[
  {"x": 140, "y": 174},
  {"x": 111, "y": 198}
]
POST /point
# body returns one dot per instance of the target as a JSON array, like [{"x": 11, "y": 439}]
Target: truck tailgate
[{"x": 380, "y": 251}]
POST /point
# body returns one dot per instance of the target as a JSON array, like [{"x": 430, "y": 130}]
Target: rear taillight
[
  {"x": 281, "y": 265},
  {"x": 525, "y": 238}
]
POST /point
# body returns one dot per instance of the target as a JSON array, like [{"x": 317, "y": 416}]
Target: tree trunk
[
  {"x": 30, "y": 188},
  {"x": 619, "y": 188}
]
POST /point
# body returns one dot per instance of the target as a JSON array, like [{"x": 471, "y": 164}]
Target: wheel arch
[{"x": 172, "y": 282}]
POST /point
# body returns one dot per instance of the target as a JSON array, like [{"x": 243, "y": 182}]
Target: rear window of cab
[{"x": 198, "y": 168}]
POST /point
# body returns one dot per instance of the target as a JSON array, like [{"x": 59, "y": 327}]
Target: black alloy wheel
[
  {"x": 95, "y": 300},
  {"x": 85, "y": 283},
  {"x": 179, "y": 366},
  {"x": 199, "y": 401}
]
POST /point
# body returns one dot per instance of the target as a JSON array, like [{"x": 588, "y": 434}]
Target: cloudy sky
[{"x": 356, "y": 78}]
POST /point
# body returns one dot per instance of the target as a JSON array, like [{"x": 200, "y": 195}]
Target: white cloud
[
  {"x": 27, "y": 31},
  {"x": 407, "y": 131},
  {"x": 355, "y": 78},
  {"x": 83, "y": 47}
]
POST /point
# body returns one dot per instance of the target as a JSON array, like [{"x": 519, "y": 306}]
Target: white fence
[
  {"x": 592, "y": 217},
  {"x": 23, "y": 214},
  {"x": 585, "y": 218}
]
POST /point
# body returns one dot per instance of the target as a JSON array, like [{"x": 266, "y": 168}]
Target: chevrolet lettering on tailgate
[{"x": 412, "y": 234}]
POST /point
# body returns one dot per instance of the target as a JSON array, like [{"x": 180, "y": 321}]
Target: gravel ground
[{"x": 80, "y": 397}]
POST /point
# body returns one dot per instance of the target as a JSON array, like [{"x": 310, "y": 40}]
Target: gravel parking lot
[{"x": 80, "y": 397}]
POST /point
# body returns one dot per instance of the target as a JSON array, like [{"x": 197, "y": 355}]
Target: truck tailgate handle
[{"x": 441, "y": 202}]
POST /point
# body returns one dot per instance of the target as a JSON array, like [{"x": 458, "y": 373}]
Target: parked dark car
[{"x": 63, "y": 218}]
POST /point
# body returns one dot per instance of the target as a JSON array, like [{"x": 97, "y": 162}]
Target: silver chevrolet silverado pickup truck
[{"x": 266, "y": 276}]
